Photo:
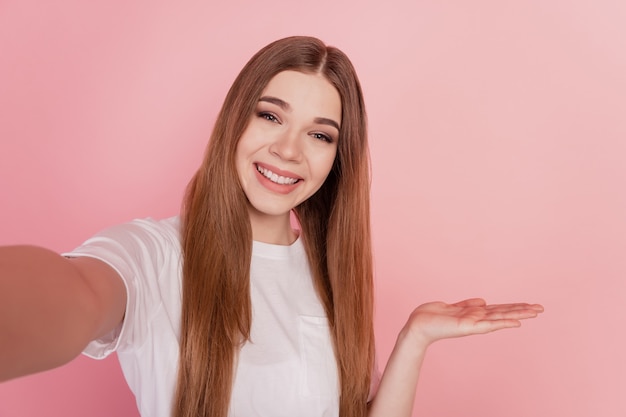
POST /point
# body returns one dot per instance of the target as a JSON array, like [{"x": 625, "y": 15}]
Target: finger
[
  {"x": 511, "y": 314},
  {"x": 487, "y": 326},
  {"x": 515, "y": 306},
  {"x": 471, "y": 302},
  {"x": 537, "y": 307}
]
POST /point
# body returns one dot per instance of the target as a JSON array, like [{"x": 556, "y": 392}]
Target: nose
[{"x": 287, "y": 146}]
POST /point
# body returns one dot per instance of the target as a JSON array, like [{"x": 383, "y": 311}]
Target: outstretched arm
[
  {"x": 428, "y": 323},
  {"x": 51, "y": 307}
]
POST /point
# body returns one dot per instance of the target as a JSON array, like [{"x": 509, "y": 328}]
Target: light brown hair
[{"x": 217, "y": 240}]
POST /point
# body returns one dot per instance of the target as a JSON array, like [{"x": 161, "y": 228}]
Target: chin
[{"x": 270, "y": 210}]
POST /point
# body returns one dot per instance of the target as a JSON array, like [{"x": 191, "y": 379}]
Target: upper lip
[{"x": 278, "y": 171}]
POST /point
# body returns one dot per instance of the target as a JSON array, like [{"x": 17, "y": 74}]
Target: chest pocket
[{"x": 319, "y": 376}]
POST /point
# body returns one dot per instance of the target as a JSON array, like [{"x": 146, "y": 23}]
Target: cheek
[
  {"x": 331, "y": 159},
  {"x": 245, "y": 146},
  {"x": 252, "y": 140},
  {"x": 325, "y": 163},
  {"x": 241, "y": 161}
]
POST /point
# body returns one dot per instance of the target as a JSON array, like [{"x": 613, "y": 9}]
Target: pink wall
[{"x": 498, "y": 143}]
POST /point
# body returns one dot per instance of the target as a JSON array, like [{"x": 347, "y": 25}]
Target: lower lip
[{"x": 272, "y": 186}]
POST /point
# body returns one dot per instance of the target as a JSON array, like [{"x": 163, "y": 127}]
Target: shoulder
[
  {"x": 139, "y": 234},
  {"x": 147, "y": 228},
  {"x": 138, "y": 244}
]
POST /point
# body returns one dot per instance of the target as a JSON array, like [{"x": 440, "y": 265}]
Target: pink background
[{"x": 498, "y": 135}]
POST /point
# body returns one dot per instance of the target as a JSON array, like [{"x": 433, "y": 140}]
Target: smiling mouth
[{"x": 278, "y": 179}]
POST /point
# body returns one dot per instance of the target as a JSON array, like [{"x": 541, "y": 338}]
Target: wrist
[{"x": 413, "y": 339}]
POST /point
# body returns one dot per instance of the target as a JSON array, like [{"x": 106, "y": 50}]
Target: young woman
[{"x": 229, "y": 309}]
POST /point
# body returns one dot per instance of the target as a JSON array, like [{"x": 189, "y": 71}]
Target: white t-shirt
[{"x": 287, "y": 369}]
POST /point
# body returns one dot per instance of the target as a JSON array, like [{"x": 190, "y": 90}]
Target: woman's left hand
[
  {"x": 437, "y": 320},
  {"x": 431, "y": 322}
]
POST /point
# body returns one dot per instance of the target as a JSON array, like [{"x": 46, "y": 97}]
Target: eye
[
  {"x": 270, "y": 117},
  {"x": 322, "y": 136}
]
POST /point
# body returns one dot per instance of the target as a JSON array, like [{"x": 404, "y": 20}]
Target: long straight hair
[{"x": 217, "y": 240}]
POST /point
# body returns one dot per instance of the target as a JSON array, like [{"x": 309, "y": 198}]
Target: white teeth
[{"x": 278, "y": 179}]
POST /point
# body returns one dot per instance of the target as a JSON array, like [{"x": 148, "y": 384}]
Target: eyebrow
[
  {"x": 286, "y": 107},
  {"x": 275, "y": 100},
  {"x": 326, "y": 121}
]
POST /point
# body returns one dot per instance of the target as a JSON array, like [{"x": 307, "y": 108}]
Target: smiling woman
[
  {"x": 287, "y": 150},
  {"x": 226, "y": 310},
  {"x": 314, "y": 82}
]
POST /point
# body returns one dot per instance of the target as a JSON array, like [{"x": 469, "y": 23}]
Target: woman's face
[{"x": 290, "y": 143}]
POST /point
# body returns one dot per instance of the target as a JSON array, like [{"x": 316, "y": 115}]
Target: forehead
[{"x": 306, "y": 93}]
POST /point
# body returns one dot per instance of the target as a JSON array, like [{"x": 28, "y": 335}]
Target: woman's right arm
[{"x": 51, "y": 307}]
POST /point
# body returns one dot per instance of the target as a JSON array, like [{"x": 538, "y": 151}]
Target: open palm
[{"x": 437, "y": 320}]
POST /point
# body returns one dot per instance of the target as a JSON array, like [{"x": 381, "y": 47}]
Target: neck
[{"x": 272, "y": 229}]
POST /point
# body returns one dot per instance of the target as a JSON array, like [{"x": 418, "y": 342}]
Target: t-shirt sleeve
[{"x": 137, "y": 251}]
